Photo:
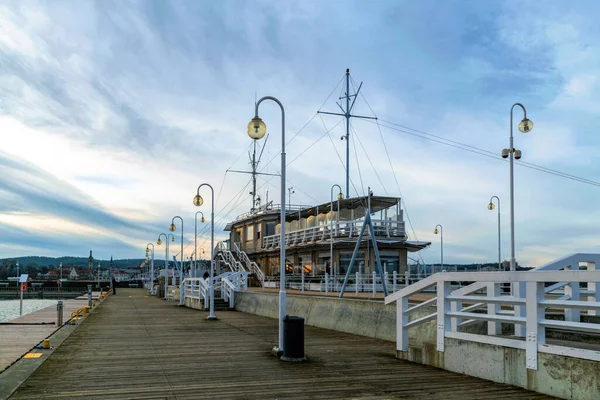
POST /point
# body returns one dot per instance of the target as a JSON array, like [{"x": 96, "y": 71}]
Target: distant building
[{"x": 73, "y": 275}]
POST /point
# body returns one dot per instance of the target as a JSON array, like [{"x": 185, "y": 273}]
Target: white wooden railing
[
  {"x": 196, "y": 288},
  {"x": 236, "y": 282},
  {"x": 341, "y": 229},
  {"x": 530, "y": 303},
  {"x": 250, "y": 265}
]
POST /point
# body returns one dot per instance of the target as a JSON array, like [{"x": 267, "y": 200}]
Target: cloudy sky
[{"x": 113, "y": 112}]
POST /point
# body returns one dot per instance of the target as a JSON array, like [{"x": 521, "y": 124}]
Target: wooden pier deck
[{"x": 139, "y": 347}]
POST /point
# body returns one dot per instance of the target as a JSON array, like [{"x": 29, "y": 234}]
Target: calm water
[{"x": 9, "y": 309}]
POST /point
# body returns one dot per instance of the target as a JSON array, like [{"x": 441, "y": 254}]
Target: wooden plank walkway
[
  {"x": 139, "y": 347},
  {"x": 16, "y": 340}
]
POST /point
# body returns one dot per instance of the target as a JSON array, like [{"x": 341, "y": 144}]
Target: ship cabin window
[
  {"x": 237, "y": 235},
  {"x": 249, "y": 232},
  {"x": 270, "y": 228},
  {"x": 258, "y": 231}
]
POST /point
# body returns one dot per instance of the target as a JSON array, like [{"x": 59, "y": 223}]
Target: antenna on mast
[{"x": 347, "y": 113}]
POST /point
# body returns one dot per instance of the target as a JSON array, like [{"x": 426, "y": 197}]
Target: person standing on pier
[{"x": 114, "y": 285}]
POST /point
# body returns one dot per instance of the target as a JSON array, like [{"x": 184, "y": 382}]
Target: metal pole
[
  {"x": 60, "y": 281},
  {"x": 356, "y": 288},
  {"x": 347, "y": 133},
  {"x": 512, "y": 197},
  {"x": 331, "y": 226},
  {"x": 59, "y": 313},
  {"x": 89, "y": 295},
  {"x": 326, "y": 284},
  {"x": 21, "y": 302},
  {"x": 374, "y": 290},
  {"x": 98, "y": 276},
  {"x": 282, "y": 294}
]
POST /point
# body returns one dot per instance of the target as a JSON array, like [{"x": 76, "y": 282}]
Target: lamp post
[
  {"x": 159, "y": 242},
  {"x": 339, "y": 197},
  {"x": 441, "y": 231},
  {"x": 172, "y": 228},
  {"x": 196, "y": 236},
  {"x": 491, "y": 207},
  {"x": 60, "y": 281},
  {"x": 290, "y": 192},
  {"x": 198, "y": 201},
  {"x": 18, "y": 271},
  {"x": 525, "y": 126},
  {"x": 151, "y": 268},
  {"x": 256, "y": 130},
  {"x": 98, "y": 276}
]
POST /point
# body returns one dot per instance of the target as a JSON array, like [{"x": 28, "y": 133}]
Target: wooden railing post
[
  {"x": 536, "y": 333},
  {"x": 443, "y": 306},
  {"x": 594, "y": 288},
  {"x": 494, "y": 327},
  {"x": 572, "y": 290},
  {"x": 401, "y": 321}
]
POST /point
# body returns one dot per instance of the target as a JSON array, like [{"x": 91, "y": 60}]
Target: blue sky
[{"x": 112, "y": 113}]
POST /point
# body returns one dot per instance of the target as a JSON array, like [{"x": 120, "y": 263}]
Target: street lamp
[
  {"x": 196, "y": 235},
  {"x": 524, "y": 126},
  {"x": 256, "y": 130},
  {"x": 290, "y": 192},
  {"x": 18, "y": 274},
  {"x": 198, "y": 201},
  {"x": 159, "y": 242},
  {"x": 60, "y": 281},
  {"x": 172, "y": 228},
  {"x": 491, "y": 207},
  {"x": 151, "y": 268},
  {"x": 441, "y": 232},
  {"x": 98, "y": 276},
  {"x": 340, "y": 196}
]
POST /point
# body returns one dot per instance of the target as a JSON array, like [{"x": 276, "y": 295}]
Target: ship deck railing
[{"x": 340, "y": 229}]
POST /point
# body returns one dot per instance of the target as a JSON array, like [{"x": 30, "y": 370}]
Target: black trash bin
[{"x": 293, "y": 339}]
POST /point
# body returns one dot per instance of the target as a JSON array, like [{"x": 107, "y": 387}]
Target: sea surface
[{"x": 9, "y": 309}]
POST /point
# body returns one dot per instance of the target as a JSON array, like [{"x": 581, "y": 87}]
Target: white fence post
[
  {"x": 395, "y": 278},
  {"x": 374, "y": 289},
  {"x": 594, "y": 288},
  {"x": 302, "y": 280},
  {"x": 572, "y": 290},
  {"x": 443, "y": 306},
  {"x": 519, "y": 292},
  {"x": 406, "y": 276},
  {"x": 356, "y": 286},
  {"x": 536, "y": 333},
  {"x": 494, "y": 327},
  {"x": 387, "y": 277},
  {"x": 401, "y": 321},
  {"x": 326, "y": 284}
]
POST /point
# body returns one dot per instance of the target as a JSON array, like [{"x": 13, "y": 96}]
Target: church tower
[{"x": 91, "y": 267}]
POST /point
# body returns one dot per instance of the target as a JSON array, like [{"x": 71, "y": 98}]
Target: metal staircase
[{"x": 238, "y": 261}]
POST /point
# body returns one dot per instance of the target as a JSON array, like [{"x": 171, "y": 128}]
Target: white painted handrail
[
  {"x": 196, "y": 288},
  {"x": 237, "y": 282},
  {"x": 532, "y": 301},
  {"x": 250, "y": 265}
]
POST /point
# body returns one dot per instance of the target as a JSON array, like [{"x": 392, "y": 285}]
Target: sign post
[{"x": 23, "y": 282}]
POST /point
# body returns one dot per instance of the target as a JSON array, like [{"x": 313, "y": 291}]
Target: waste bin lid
[{"x": 293, "y": 318}]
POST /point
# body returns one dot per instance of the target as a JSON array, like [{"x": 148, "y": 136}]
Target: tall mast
[
  {"x": 347, "y": 114},
  {"x": 254, "y": 177}
]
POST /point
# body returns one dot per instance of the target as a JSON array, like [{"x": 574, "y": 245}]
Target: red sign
[{"x": 24, "y": 285}]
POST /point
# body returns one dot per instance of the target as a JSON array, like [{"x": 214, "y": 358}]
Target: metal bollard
[
  {"x": 326, "y": 284},
  {"x": 59, "y": 313},
  {"x": 90, "y": 295}
]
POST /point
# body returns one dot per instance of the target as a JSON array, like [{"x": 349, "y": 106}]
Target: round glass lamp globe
[
  {"x": 340, "y": 196},
  {"x": 491, "y": 206},
  {"x": 202, "y": 220},
  {"x": 198, "y": 200},
  {"x": 172, "y": 228},
  {"x": 159, "y": 242},
  {"x": 173, "y": 239},
  {"x": 257, "y": 128},
  {"x": 435, "y": 231},
  {"x": 526, "y": 125}
]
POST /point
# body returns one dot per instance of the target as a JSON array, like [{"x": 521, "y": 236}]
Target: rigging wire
[
  {"x": 369, "y": 159},
  {"x": 358, "y": 165}
]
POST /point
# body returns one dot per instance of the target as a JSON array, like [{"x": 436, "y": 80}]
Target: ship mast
[
  {"x": 347, "y": 114},
  {"x": 254, "y": 162}
]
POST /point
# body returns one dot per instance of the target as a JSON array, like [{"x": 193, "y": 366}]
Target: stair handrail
[
  {"x": 250, "y": 265},
  {"x": 236, "y": 282},
  {"x": 191, "y": 286},
  {"x": 228, "y": 258}
]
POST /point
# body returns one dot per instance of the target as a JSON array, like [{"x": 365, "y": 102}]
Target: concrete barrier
[{"x": 359, "y": 317}]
